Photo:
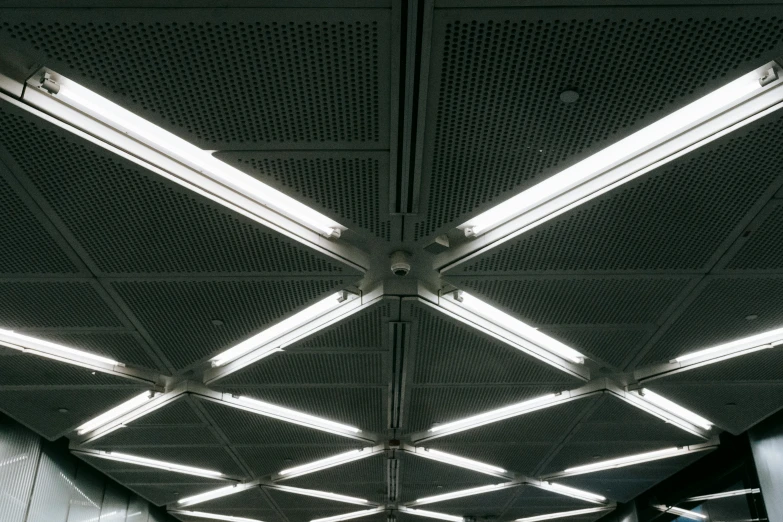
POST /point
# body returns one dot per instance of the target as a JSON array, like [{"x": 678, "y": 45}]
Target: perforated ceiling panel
[
  {"x": 365, "y": 478},
  {"x": 496, "y": 121},
  {"x": 349, "y": 186},
  {"x": 228, "y": 79},
  {"x": 759, "y": 252}
]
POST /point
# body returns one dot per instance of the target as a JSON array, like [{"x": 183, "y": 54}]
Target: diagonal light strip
[
  {"x": 565, "y": 514},
  {"x": 666, "y": 410},
  {"x": 463, "y": 493},
  {"x": 570, "y": 492},
  {"x": 455, "y": 460},
  {"x": 329, "y": 462},
  {"x": 115, "y": 412},
  {"x": 167, "y": 151},
  {"x": 430, "y": 514},
  {"x": 352, "y": 515},
  {"x": 320, "y": 494},
  {"x": 213, "y": 516},
  {"x": 624, "y": 160},
  {"x": 520, "y": 335},
  {"x": 723, "y": 494},
  {"x": 151, "y": 463},
  {"x": 215, "y": 493},
  {"x": 691, "y": 515}
]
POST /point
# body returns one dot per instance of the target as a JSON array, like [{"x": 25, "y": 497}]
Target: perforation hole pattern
[
  {"x": 500, "y": 124},
  {"x": 225, "y": 84},
  {"x": 131, "y": 222},
  {"x": 346, "y": 186},
  {"x": 667, "y": 221}
]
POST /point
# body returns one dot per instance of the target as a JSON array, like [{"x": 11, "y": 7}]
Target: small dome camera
[{"x": 400, "y": 266}]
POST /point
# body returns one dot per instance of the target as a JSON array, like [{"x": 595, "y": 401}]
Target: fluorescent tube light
[
  {"x": 430, "y": 514},
  {"x": 724, "y": 494},
  {"x": 329, "y": 462},
  {"x": 651, "y": 146},
  {"x": 564, "y": 514},
  {"x": 213, "y": 516},
  {"x": 743, "y": 346},
  {"x": 116, "y": 412},
  {"x": 571, "y": 492},
  {"x": 273, "y": 338},
  {"x": 27, "y": 344},
  {"x": 627, "y": 461},
  {"x": 215, "y": 493},
  {"x": 667, "y": 410},
  {"x": 352, "y": 515},
  {"x": 462, "y": 462},
  {"x": 465, "y": 493},
  {"x": 499, "y": 414},
  {"x": 162, "y": 148},
  {"x": 152, "y": 463},
  {"x": 522, "y": 336},
  {"x": 321, "y": 494},
  {"x": 692, "y": 515},
  {"x": 292, "y": 416}
]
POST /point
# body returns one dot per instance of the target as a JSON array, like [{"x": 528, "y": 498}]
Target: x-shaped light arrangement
[{"x": 83, "y": 112}]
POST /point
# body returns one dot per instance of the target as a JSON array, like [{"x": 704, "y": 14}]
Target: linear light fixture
[
  {"x": 736, "y": 348},
  {"x": 275, "y": 337},
  {"x": 462, "y": 462},
  {"x": 724, "y": 109},
  {"x": 571, "y": 492},
  {"x": 724, "y": 494},
  {"x": 215, "y": 493},
  {"x": 430, "y": 514},
  {"x": 27, "y": 344},
  {"x": 289, "y": 415},
  {"x": 692, "y": 515},
  {"x": 71, "y": 102},
  {"x": 329, "y": 462},
  {"x": 320, "y": 494},
  {"x": 213, "y": 516},
  {"x": 464, "y": 493},
  {"x": 115, "y": 412},
  {"x": 510, "y": 329},
  {"x": 152, "y": 463},
  {"x": 352, "y": 515},
  {"x": 631, "y": 460},
  {"x": 667, "y": 410},
  {"x": 565, "y": 514}
]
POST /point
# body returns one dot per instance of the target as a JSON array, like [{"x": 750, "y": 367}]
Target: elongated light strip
[
  {"x": 201, "y": 161},
  {"x": 352, "y": 515},
  {"x": 464, "y": 493},
  {"x": 672, "y": 412},
  {"x": 572, "y": 492},
  {"x": 328, "y": 462},
  {"x": 630, "y": 460},
  {"x": 269, "y": 340},
  {"x": 213, "y": 494},
  {"x": 743, "y": 346},
  {"x": 497, "y": 415},
  {"x": 321, "y": 494},
  {"x": 28, "y": 344},
  {"x": 158, "y": 464},
  {"x": 294, "y": 417},
  {"x": 463, "y": 301},
  {"x": 116, "y": 412},
  {"x": 462, "y": 462},
  {"x": 430, "y": 514},
  {"x": 692, "y": 515},
  {"x": 724, "y": 494},
  {"x": 564, "y": 514},
  {"x": 213, "y": 516},
  {"x": 618, "y": 162}
]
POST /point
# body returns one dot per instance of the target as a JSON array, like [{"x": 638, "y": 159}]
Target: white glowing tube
[
  {"x": 350, "y": 516},
  {"x": 658, "y": 405},
  {"x": 116, "y": 412},
  {"x": 692, "y": 515},
  {"x": 462, "y": 462},
  {"x": 292, "y": 416},
  {"x": 724, "y": 494},
  {"x": 620, "y": 162},
  {"x": 563, "y": 514},
  {"x": 329, "y": 462},
  {"x": 270, "y": 340},
  {"x": 154, "y": 141},
  {"x": 213, "y": 516},
  {"x": 27, "y": 344},
  {"x": 572, "y": 492},
  {"x": 158, "y": 464},
  {"x": 627, "y": 461},
  {"x": 464, "y": 493},
  {"x": 215, "y": 493},
  {"x": 321, "y": 494},
  {"x": 521, "y": 332},
  {"x": 431, "y": 514},
  {"x": 743, "y": 346}
]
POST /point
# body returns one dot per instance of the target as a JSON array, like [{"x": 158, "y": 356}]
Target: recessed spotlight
[
  {"x": 63, "y": 410},
  {"x": 217, "y": 322},
  {"x": 569, "y": 96},
  {"x": 751, "y": 317}
]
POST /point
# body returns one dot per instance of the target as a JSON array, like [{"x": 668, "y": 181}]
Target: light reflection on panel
[
  {"x": 86, "y": 495},
  {"x": 19, "y": 450},
  {"x": 115, "y": 504},
  {"x": 53, "y": 487},
  {"x": 138, "y": 510}
]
